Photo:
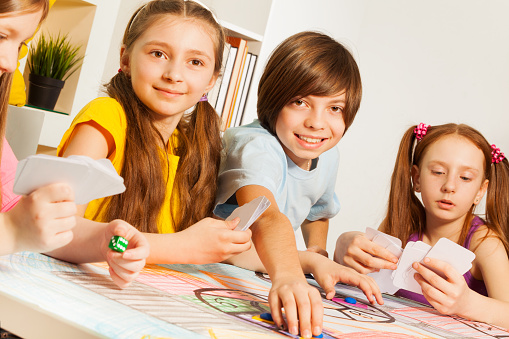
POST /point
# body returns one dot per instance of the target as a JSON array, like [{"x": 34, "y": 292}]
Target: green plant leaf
[{"x": 54, "y": 57}]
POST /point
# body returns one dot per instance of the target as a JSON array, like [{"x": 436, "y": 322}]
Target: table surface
[{"x": 44, "y": 297}]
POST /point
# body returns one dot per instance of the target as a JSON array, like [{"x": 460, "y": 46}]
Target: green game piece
[{"x": 118, "y": 243}]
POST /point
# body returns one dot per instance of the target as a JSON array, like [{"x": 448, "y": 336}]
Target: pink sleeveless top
[
  {"x": 474, "y": 284},
  {"x": 7, "y": 175}
]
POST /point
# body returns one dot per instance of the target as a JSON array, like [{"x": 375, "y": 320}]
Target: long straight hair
[
  {"x": 405, "y": 212},
  {"x": 197, "y": 139},
  {"x": 6, "y": 8}
]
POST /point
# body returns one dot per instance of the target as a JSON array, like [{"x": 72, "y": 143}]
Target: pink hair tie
[
  {"x": 496, "y": 155},
  {"x": 420, "y": 131}
]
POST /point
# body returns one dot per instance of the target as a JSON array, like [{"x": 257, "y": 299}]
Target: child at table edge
[
  {"x": 452, "y": 166},
  {"x": 308, "y": 96}
]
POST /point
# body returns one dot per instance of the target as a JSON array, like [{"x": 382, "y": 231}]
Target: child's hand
[
  {"x": 353, "y": 249},
  {"x": 328, "y": 273},
  {"x": 43, "y": 220},
  {"x": 448, "y": 296},
  {"x": 319, "y": 250},
  {"x": 302, "y": 303},
  {"x": 125, "y": 266},
  {"x": 212, "y": 240}
]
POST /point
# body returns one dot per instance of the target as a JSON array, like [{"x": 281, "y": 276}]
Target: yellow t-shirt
[{"x": 108, "y": 113}]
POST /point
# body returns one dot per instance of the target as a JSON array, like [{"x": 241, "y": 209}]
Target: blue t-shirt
[{"x": 255, "y": 157}]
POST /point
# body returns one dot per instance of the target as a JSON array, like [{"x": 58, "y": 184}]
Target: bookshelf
[
  {"x": 246, "y": 20},
  {"x": 98, "y": 25}
]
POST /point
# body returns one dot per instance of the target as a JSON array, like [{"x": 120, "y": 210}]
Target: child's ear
[
  {"x": 416, "y": 176},
  {"x": 124, "y": 60},
  {"x": 482, "y": 191},
  {"x": 211, "y": 83}
]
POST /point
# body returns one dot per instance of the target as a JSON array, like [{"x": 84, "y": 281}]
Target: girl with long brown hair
[
  {"x": 452, "y": 167},
  {"x": 162, "y": 135}
]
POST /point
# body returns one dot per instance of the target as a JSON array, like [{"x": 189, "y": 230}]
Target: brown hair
[
  {"x": 406, "y": 214},
  {"x": 308, "y": 63},
  {"x": 198, "y": 141},
  {"x": 21, "y": 7}
]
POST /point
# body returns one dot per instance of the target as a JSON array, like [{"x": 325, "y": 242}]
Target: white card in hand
[
  {"x": 371, "y": 233},
  {"x": 248, "y": 213},
  {"x": 383, "y": 278},
  {"x": 403, "y": 277},
  {"x": 90, "y": 179},
  {"x": 455, "y": 255}
]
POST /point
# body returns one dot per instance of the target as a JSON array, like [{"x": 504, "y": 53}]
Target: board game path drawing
[{"x": 198, "y": 301}]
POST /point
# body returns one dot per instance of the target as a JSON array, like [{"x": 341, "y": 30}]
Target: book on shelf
[
  {"x": 247, "y": 76},
  {"x": 234, "y": 117},
  {"x": 222, "y": 83},
  {"x": 233, "y": 87},
  {"x": 213, "y": 94}
]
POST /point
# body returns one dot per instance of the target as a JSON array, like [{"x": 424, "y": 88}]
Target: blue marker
[
  {"x": 351, "y": 300},
  {"x": 318, "y": 336},
  {"x": 266, "y": 316}
]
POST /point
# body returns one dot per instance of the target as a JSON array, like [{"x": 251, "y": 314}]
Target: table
[{"x": 44, "y": 297}]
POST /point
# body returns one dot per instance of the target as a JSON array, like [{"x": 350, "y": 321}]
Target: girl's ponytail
[
  {"x": 405, "y": 213},
  {"x": 199, "y": 148},
  {"x": 497, "y": 200},
  {"x": 142, "y": 171}
]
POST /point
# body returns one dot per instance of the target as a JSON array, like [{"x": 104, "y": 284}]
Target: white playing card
[
  {"x": 403, "y": 277},
  {"x": 248, "y": 213},
  {"x": 371, "y": 233},
  {"x": 383, "y": 278},
  {"x": 106, "y": 181},
  {"x": 90, "y": 179},
  {"x": 446, "y": 250},
  {"x": 455, "y": 255}
]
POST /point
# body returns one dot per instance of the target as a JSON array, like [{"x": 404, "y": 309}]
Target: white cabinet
[{"x": 90, "y": 23}]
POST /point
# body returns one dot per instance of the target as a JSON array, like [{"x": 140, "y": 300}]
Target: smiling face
[
  {"x": 309, "y": 126},
  {"x": 450, "y": 178},
  {"x": 171, "y": 66},
  {"x": 15, "y": 29}
]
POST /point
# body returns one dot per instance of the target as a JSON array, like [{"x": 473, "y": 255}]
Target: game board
[{"x": 206, "y": 301}]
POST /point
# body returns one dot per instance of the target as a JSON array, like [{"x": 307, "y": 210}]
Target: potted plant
[{"x": 50, "y": 62}]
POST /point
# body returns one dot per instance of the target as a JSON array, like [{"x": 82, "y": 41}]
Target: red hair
[{"x": 405, "y": 212}]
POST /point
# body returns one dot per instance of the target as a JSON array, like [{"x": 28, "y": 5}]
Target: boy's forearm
[
  {"x": 306, "y": 260},
  {"x": 315, "y": 233},
  {"x": 274, "y": 240}
]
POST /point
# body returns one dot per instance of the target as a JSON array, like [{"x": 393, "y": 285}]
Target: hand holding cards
[
  {"x": 90, "y": 179},
  {"x": 384, "y": 277},
  {"x": 248, "y": 213},
  {"x": 446, "y": 250}
]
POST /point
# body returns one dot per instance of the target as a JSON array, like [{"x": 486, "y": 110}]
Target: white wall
[{"x": 428, "y": 61}]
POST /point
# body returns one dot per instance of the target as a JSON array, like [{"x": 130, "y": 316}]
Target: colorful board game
[{"x": 206, "y": 301}]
